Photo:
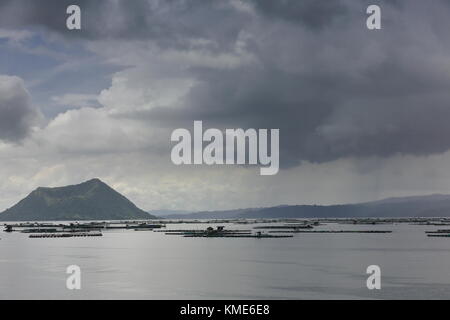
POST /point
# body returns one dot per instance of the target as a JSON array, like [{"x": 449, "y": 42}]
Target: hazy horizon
[{"x": 182, "y": 212}]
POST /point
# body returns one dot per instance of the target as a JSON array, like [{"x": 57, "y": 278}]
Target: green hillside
[{"x": 90, "y": 200}]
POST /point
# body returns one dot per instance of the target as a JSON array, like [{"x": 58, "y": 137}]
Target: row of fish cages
[
  {"x": 271, "y": 228},
  {"x": 221, "y": 232},
  {"x": 79, "y": 227},
  {"x": 272, "y": 231},
  {"x": 306, "y": 227},
  {"x": 280, "y": 231},
  {"x": 429, "y": 221},
  {"x": 440, "y": 233},
  {"x": 66, "y": 235},
  {"x": 333, "y": 231}
]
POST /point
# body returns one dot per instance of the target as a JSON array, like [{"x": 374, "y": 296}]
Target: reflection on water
[{"x": 125, "y": 264}]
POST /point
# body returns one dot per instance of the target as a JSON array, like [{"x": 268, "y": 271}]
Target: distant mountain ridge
[
  {"x": 435, "y": 205},
  {"x": 167, "y": 212},
  {"x": 90, "y": 200}
]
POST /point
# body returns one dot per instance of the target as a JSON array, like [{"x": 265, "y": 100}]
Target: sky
[{"x": 363, "y": 114}]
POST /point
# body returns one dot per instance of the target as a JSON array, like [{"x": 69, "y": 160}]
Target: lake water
[{"x": 126, "y": 264}]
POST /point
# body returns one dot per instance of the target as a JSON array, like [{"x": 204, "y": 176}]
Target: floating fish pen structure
[
  {"x": 41, "y": 230},
  {"x": 77, "y": 227},
  {"x": 58, "y": 230},
  {"x": 259, "y": 236},
  {"x": 303, "y": 222},
  {"x": 332, "y": 231},
  {"x": 9, "y": 228},
  {"x": 84, "y": 226},
  {"x": 182, "y": 231},
  {"x": 429, "y": 223},
  {"x": 33, "y": 225},
  {"x": 66, "y": 235},
  {"x": 439, "y": 231},
  {"x": 147, "y": 226},
  {"x": 301, "y": 226},
  {"x": 105, "y": 225},
  {"x": 208, "y": 233},
  {"x": 221, "y": 233}
]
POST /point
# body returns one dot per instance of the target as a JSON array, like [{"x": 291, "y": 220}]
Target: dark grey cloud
[
  {"x": 334, "y": 88},
  {"x": 343, "y": 92},
  {"x": 313, "y": 14},
  {"x": 170, "y": 23},
  {"x": 170, "y": 20},
  {"x": 17, "y": 115}
]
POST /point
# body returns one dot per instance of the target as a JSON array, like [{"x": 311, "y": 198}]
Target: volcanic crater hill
[{"x": 90, "y": 200}]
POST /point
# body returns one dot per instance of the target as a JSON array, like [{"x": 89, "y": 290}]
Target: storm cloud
[
  {"x": 17, "y": 115},
  {"x": 170, "y": 23},
  {"x": 314, "y": 14},
  {"x": 334, "y": 88},
  {"x": 337, "y": 91}
]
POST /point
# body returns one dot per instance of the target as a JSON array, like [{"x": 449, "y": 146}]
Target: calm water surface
[{"x": 126, "y": 264}]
